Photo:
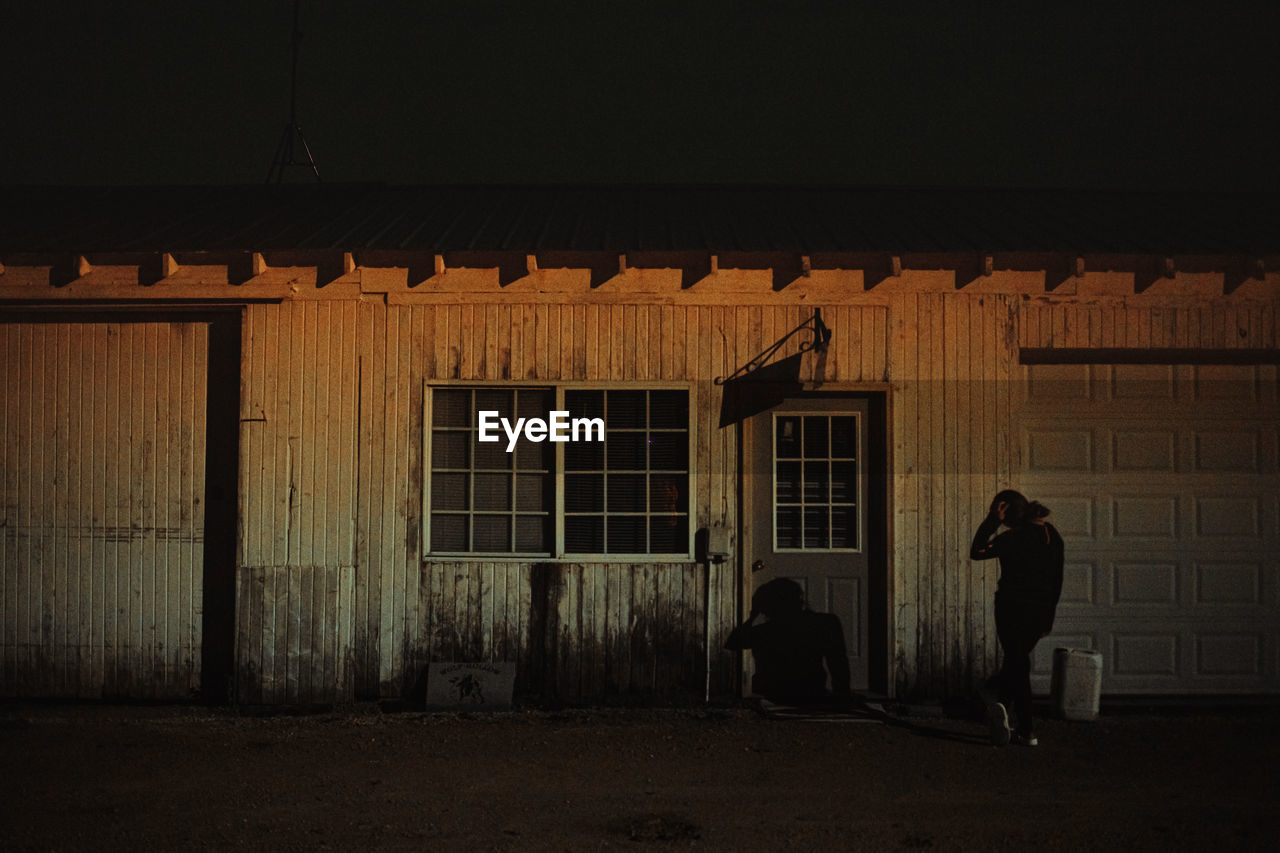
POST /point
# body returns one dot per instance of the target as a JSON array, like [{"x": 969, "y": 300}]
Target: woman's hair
[{"x": 1020, "y": 510}]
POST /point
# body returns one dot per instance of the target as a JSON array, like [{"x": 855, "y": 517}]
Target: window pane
[
  {"x": 584, "y": 534},
  {"x": 450, "y": 449},
  {"x": 666, "y": 493},
  {"x": 493, "y": 399},
  {"x": 668, "y": 535},
  {"x": 584, "y": 456},
  {"x": 815, "y": 482},
  {"x": 534, "y": 402},
  {"x": 492, "y": 532},
  {"x": 491, "y": 454},
  {"x": 626, "y": 450},
  {"x": 531, "y": 456},
  {"x": 451, "y": 407},
  {"x": 533, "y": 533},
  {"x": 531, "y": 492},
  {"x": 816, "y": 527},
  {"x": 843, "y": 437},
  {"x": 787, "y": 526},
  {"x": 626, "y": 492},
  {"x": 815, "y": 437},
  {"x": 844, "y": 527},
  {"x": 449, "y": 491},
  {"x": 788, "y": 482},
  {"x": 668, "y": 451},
  {"x": 788, "y": 438},
  {"x": 584, "y": 492},
  {"x": 584, "y": 404},
  {"x": 669, "y": 409},
  {"x": 626, "y": 535},
  {"x": 625, "y": 409},
  {"x": 448, "y": 532},
  {"x": 493, "y": 492},
  {"x": 844, "y": 481}
]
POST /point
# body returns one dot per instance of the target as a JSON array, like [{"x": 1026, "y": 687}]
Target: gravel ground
[{"x": 98, "y": 777}]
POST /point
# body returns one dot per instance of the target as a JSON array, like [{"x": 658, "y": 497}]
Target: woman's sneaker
[
  {"x": 998, "y": 720},
  {"x": 1025, "y": 740}
]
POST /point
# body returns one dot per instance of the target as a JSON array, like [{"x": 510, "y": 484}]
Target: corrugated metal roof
[{"x": 633, "y": 219}]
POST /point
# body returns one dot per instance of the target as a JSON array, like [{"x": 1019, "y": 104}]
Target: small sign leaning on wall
[{"x": 470, "y": 686}]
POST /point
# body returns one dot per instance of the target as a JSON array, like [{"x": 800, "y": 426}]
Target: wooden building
[{"x": 240, "y": 451}]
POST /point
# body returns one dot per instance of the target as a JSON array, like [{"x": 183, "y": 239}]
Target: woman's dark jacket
[{"x": 1031, "y": 558}]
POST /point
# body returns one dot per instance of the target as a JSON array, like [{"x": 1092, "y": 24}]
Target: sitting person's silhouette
[{"x": 790, "y": 647}]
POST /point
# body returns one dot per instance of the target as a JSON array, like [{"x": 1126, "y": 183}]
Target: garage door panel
[
  {"x": 1059, "y": 450},
  {"x": 1144, "y": 450},
  {"x": 1144, "y": 584},
  {"x": 1141, "y": 382},
  {"x": 1146, "y": 654},
  {"x": 1227, "y": 654},
  {"x": 1226, "y": 382},
  {"x": 1229, "y": 583},
  {"x": 1055, "y": 383},
  {"x": 1152, "y": 518},
  {"x": 1079, "y": 583},
  {"x": 1222, "y": 450},
  {"x": 1228, "y": 517}
]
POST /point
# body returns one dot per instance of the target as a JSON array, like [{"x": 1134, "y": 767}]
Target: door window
[{"x": 816, "y": 496}]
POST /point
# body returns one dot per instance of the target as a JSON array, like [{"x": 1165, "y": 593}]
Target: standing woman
[{"x": 1031, "y": 556}]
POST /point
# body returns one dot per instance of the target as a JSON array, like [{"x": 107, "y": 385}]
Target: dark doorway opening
[{"x": 222, "y": 460}]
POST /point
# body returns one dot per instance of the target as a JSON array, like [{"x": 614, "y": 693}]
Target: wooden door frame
[{"x": 878, "y": 497}]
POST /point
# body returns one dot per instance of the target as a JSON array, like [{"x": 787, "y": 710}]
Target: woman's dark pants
[{"x": 1018, "y": 625}]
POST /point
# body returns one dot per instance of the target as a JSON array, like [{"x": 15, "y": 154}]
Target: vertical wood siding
[
  {"x": 952, "y": 359},
  {"x": 334, "y": 599},
  {"x": 295, "y": 585},
  {"x": 102, "y": 525}
]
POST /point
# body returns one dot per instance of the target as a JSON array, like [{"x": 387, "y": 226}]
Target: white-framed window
[
  {"x": 816, "y": 484},
  {"x": 627, "y": 496}
]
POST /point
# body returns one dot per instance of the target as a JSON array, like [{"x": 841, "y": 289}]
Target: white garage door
[
  {"x": 102, "y": 466},
  {"x": 1163, "y": 481}
]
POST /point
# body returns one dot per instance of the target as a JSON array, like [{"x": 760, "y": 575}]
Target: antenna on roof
[{"x": 285, "y": 156}]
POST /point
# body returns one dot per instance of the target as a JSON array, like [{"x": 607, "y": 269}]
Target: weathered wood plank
[
  {"x": 68, "y": 441},
  {"x": 362, "y": 595},
  {"x": 196, "y": 342},
  {"x": 135, "y": 508},
  {"x": 9, "y": 389},
  {"x": 938, "y": 562},
  {"x": 991, "y": 330}
]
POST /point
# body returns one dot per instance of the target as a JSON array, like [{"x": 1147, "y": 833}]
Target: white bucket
[{"x": 1076, "y": 686}]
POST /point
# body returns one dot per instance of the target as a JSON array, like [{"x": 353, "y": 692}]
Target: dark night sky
[{"x": 615, "y": 91}]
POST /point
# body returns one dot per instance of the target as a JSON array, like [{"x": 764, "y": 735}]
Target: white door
[
  {"x": 807, "y": 476},
  {"x": 1163, "y": 481}
]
